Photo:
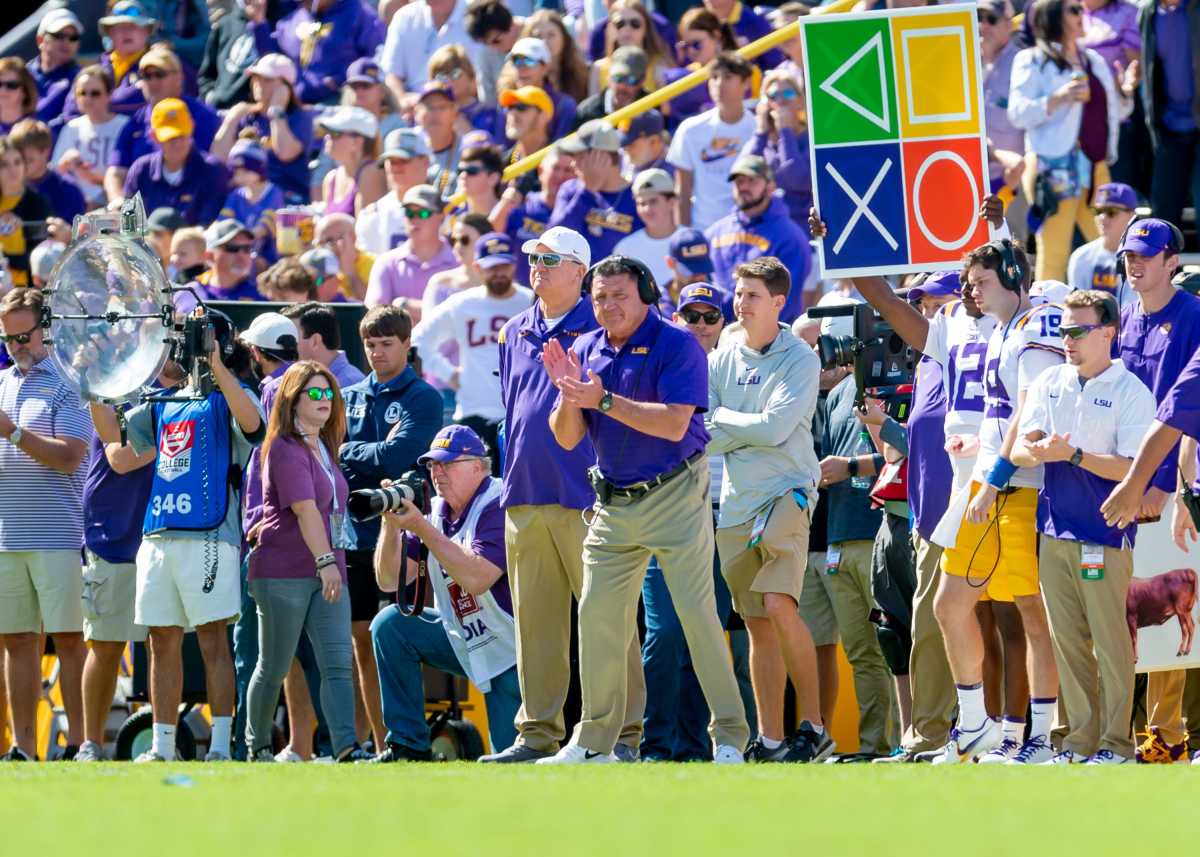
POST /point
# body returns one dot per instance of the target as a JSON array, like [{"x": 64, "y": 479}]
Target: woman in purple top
[
  {"x": 781, "y": 137},
  {"x": 298, "y": 568},
  {"x": 1110, "y": 28}
]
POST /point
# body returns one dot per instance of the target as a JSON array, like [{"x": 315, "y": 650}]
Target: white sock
[
  {"x": 222, "y": 729},
  {"x": 771, "y": 743},
  {"x": 1043, "y": 715},
  {"x": 164, "y": 740},
  {"x": 1014, "y": 729},
  {"x": 972, "y": 716}
]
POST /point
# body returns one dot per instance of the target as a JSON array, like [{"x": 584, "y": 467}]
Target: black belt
[{"x": 639, "y": 490}]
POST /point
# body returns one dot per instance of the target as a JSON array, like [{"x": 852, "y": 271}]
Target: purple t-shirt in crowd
[
  {"x": 1156, "y": 348},
  {"x": 114, "y": 505},
  {"x": 1112, "y": 31},
  {"x": 537, "y": 471},
  {"x": 198, "y": 196},
  {"x": 602, "y": 218},
  {"x": 930, "y": 476},
  {"x": 294, "y": 473},
  {"x": 662, "y": 363}
]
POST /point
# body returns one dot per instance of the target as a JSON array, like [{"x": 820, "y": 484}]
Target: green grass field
[{"x": 613, "y": 811}]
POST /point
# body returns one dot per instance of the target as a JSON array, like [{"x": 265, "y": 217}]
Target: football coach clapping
[{"x": 637, "y": 388}]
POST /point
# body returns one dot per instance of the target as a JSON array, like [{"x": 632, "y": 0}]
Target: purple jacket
[{"x": 788, "y": 157}]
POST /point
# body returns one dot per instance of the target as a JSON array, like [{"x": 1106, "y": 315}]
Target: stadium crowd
[{"x": 607, "y": 373}]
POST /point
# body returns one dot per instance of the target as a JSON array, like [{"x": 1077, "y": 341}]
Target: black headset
[
  {"x": 1011, "y": 274},
  {"x": 648, "y": 289},
  {"x": 1175, "y": 246}
]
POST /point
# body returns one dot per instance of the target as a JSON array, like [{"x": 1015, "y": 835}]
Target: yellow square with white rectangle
[{"x": 936, "y": 78}]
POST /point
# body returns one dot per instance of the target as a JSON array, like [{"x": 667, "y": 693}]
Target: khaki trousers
[
  {"x": 1091, "y": 645},
  {"x": 1164, "y": 703},
  {"x": 544, "y": 545},
  {"x": 850, "y": 591},
  {"x": 933, "y": 697},
  {"x": 673, "y": 523}
]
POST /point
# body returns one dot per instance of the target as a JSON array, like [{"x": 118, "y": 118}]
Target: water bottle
[{"x": 865, "y": 447}]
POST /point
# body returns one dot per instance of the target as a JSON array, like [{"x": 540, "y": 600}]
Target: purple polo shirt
[
  {"x": 660, "y": 363},
  {"x": 136, "y": 138},
  {"x": 399, "y": 274},
  {"x": 1175, "y": 56},
  {"x": 602, "y": 218},
  {"x": 537, "y": 471},
  {"x": 930, "y": 476},
  {"x": 252, "y": 502},
  {"x": 198, "y": 196},
  {"x": 1112, "y": 30},
  {"x": 1156, "y": 348},
  {"x": 114, "y": 505},
  {"x": 53, "y": 87},
  {"x": 1180, "y": 407},
  {"x": 345, "y": 371},
  {"x": 293, "y": 473}
]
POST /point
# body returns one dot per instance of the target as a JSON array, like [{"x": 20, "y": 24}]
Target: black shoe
[
  {"x": 16, "y": 754},
  {"x": 353, "y": 755},
  {"x": 808, "y": 745},
  {"x": 69, "y": 753},
  {"x": 398, "y": 753},
  {"x": 758, "y": 752},
  {"x": 516, "y": 754}
]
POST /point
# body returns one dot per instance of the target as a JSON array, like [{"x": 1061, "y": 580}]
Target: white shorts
[
  {"x": 40, "y": 591},
  {"x": 186, "y": 582},
  {"x": 109, "y": 590}
]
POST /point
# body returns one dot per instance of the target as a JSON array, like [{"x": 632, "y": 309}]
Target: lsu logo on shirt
[
  {"x": 175, "y": 449},
  {"x": 641, "y": 350},
  {"x": 731, "y": 238},
  {"x": 750, "y": 379},
  {"x": 719, "y": 148},
  {"x": 598, "y": 219}
]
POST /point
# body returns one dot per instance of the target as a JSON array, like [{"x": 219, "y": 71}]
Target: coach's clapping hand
[
  {"x": 1056, "y": 447},
  {"x": 582, "y": 394},
  {"x": 559, "y": 362}
]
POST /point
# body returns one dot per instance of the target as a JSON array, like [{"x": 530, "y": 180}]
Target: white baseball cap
[
  {"x": 564, "y": 241},
  {"x": 57, "y": 20},
  {"x": 533, "y": 48},
  {"x": 272, "y": 331},
  {"x": 1048, "y": 292},
  {"x": 350, "y": 120},
  {"x": 275, "y": 67}
]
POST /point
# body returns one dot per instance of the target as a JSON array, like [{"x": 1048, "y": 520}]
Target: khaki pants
[
  {"x": 929, "y": 675},
  {"x": 674, "y": 523},
  {"x": 545, "y": 568},
  {"x": 850, "y": 591},
  {"x": 1091, "y": 645},
  {"x": 1164, "y": 703}
]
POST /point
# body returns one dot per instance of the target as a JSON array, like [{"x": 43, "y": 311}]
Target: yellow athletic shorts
[{"x": 1004, "y": 546}]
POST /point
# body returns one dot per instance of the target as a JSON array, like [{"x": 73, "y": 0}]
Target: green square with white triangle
[{"x": 852, "y": 81}]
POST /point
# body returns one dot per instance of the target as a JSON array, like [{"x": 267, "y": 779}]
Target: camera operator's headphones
[
  {"x": 648, "y": 289},
  {"x": 1174, "y": 246},
  {"x": 1011, "y": 274}
]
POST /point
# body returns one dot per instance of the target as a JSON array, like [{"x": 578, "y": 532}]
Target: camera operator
[
  {"x": 391, "y": 417},
  {"x": 45, "y": 433},
  {"x": 762, "y": 394},
  {"x": 188, "y": 565},
  {"x": 470, "y": 631},
  {"x": 1084, "y": 421},
  {"x": 641, "y": 405},
  {"x": 545, "y": 491}
]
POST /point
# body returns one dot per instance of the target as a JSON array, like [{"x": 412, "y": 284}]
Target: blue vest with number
[{"x": 191, "y": 471}]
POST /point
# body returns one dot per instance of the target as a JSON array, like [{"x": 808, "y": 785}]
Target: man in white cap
[
  {"x": 654, "y": 194},
  {"x": 545, "y": 490},
  {"x": 381, "y": 226},
  {"x": 54, "y": 68}
]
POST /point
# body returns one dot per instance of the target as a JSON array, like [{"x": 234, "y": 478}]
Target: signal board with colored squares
[{"x": 898, "y": 147}]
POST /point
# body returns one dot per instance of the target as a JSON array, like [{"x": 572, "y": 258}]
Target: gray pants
[{"x": 285, "y": 608}]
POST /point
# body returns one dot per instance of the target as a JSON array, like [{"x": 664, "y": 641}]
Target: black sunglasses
[
  {"x": 692, "y": 316},
  {"x": 691, "y": 46},
  {"x": 521, "y": 107},
  {"x": 238, "y": 248},
  {"x": 65, "y": 37},
  {"x": 471, "y": 169},
  {"x": 92, "y": 93},
  {"x": 19, "y": 338},
  {"x": 1078, "y": 331},
  {"x": 156, "y": 75},
  {"x": 625, "y": 79},
  {"x": 11, "y": 84},
  {"x": 461, "y": 240},
  {"x": 989, "y": 18},
  {"x": 628, "y": 24},
  {"x": 1075, "y": 9}
]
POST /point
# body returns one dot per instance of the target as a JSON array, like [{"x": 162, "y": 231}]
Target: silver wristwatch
[{"x": 15, "y": 437}]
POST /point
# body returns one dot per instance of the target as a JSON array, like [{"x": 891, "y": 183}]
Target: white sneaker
[
  {"x": 1196, "y": 758},
  {"x": 1007, "y": 749},
  {"x": 217, "y": 755},
  {"x": 727, "y": 755},
  {"x": 1106, "y": 757},
  {"x": 968, "y": 746},
  {"x": 151, "y": 756},
  {"x": 287, "y": 754},
  {"x": 1035, "y": 751},
  {"x": 573, "y": 754},
  {"x": 90, "y": 751},
  {"x": 1066, "y": 757}
]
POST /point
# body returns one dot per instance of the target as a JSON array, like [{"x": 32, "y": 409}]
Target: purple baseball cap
[
  {"x": 689, "y": 249},
  {"x": 1115, "y": 195},
  {"x": 701, "y": 293},
  {"x": 452, "y": 443},
  {"x": 936, "y": 286},
  {"x": 1148, "y": 237},
  {"x": 494, "y": 248},
  {"x": 432, "y": 87},
  {"x": 364, "y": 70}
]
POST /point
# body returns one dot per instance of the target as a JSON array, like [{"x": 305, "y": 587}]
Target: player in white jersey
[{"x": 995, "y": 547}]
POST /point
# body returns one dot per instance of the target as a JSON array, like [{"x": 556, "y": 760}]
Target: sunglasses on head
[
  {"x": 525, "y": 62},
  {"x": 625, "y": 79},
  {"x": 155, "y": 75},
  {"x": 417, "y": 213},
  {"x": 64, "y": 37},
  {"x": 693, "y": 316},
  {"x": 1078, "y": 331},
  {"x": 546, "y": 260},
  {"x": 989, "y": 18},
  {"x": 690, "y": 46},
  {"x": 11, "y": 84},
  {"x": 628, "y": 23},
  {"x": 471, "y": 169},
  {"x": 316, "y": 394},
  {"x": 784, "y": 93}
]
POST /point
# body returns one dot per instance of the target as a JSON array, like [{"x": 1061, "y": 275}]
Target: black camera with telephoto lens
[
  {"x": 368, "y": 503},
  {"x": 883, "y": 363}
]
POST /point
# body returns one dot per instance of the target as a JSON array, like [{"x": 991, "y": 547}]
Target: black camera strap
[
  {"x": 420, "y": 586},
  {"x": 1190, "y": 500}
]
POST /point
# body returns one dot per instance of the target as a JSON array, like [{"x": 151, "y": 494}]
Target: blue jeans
[
  {"x": 402, "y": 644},
  {"x": 677, "y": 715}
]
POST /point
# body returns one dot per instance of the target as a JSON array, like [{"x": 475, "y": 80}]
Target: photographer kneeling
[{"x": 471, "y": 631}]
